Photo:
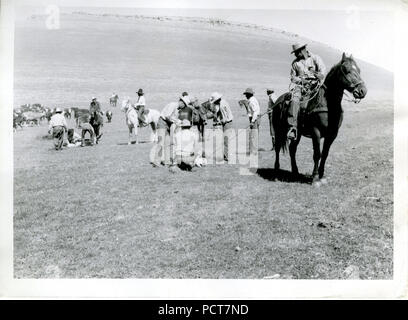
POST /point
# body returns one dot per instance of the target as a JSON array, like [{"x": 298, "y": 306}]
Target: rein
[{"x": 350, "y": 98}]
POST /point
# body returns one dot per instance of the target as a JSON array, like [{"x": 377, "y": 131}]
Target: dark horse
[
  {"x": 201, "y": 113},
  {"x": 323, "y": 117},
  {"x": 113, "y": 100}
]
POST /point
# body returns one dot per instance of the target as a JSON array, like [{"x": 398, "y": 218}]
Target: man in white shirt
[
  {"x": 222, "y": 118},
  {"x": 166, "y": 124},
  {"x": 141, "y": 101},
  {"x": 58, "y": 125},
  {"x": 254, "y": 111}
]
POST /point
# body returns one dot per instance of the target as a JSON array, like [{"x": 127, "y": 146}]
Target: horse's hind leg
[
  {"x": 130, "y": 135},
  {"x": 135, "y": 133},
  {"x": 277, "y": 150},
  {"x": 316, "y": 155}
]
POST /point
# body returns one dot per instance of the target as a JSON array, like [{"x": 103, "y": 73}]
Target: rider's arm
[
  {"x": 255, "y": 109},
  {"x": 321, "y": 68},
  {"x": 294, "y": 78}
]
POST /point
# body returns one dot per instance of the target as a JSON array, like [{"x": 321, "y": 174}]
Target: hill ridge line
[{"x": 193, "y": 19}]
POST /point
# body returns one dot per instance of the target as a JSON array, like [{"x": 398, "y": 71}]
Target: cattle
[
  {"x": 109, "y": 116},
  {"x": 80, "y": 113},
  {"x": 18, "y": 120},
  {"x": 34, "y": 117}
]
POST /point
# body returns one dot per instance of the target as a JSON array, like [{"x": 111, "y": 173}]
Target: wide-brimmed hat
[
  {"x": 58, "y": 110},
  {"x": 249, "y": 91},
  {"x": 186, "y": 100},
  {"x": 184, "y": 94},
  {"x": 215, "y": 96},
  {"x": 140, "y": 91},
  {"x": 93, "y": 98},
  {"x": 298, "y": 46},
  {"x": 269, "y": 91},
  {"x": 185, "y": 123}
]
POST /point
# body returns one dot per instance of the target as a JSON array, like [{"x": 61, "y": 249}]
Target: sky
[{"x": 365, "y": 28}]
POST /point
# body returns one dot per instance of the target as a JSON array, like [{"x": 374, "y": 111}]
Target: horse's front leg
[
  {"x": 326, "y": 147},
  {"x": 130, "y": 135},
  {"x": 153, "y": 135},
  {"x": 316, "y": 156},
  {"x": 292, "y": 152},
  {"x": 202, "y": 141}
]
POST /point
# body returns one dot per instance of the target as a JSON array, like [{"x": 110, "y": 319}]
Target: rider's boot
[{"x": 293, "y": 119}]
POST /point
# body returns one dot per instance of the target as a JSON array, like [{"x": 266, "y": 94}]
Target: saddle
[{"x": 317, "y": 101}]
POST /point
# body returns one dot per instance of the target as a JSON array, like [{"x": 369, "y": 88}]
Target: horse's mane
[
  {"x": 331, "y": 72},
  {"x": 335, "y": 67}
]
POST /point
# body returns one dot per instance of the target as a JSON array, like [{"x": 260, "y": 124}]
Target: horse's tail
[{"x": 280, "y": 123}]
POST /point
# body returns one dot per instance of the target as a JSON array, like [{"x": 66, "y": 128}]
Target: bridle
[{"x": 351, "y": 86}]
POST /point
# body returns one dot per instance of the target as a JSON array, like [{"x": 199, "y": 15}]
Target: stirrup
[{"x": 292, "y": 134}]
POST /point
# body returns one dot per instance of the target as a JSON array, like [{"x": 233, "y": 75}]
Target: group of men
[
  {"x": 176, "y": 119},
  {"x": 178, "y": 144},
  {"x": 58, "y": 127}
]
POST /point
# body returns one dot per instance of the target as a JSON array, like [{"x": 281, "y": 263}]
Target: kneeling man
[{"x": 187, "y": 147}]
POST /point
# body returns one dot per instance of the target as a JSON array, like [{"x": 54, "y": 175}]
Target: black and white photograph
[{"x": 203, "y": 141}]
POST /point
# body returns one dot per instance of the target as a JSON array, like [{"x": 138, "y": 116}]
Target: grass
[{"x": 104, "y": 212}]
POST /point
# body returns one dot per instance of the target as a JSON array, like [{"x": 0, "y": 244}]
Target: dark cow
[{"x": 109, "y": 116}]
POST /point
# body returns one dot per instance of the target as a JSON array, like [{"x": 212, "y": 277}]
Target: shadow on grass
[
  {"x": 283, "y": 176},
  {"x": 133, "y": 142}
]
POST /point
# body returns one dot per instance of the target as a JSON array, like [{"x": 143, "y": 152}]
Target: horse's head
[
  {"x": 351, "y": 79},
  {"x": 126, "y": 104}
]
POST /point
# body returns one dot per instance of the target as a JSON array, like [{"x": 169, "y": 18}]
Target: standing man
[
  {"x": 58, "y": 125},
  {"x": 254, "y": 111},
  {"x": 169, "y": 118},
  {"x": 306, "y": 67},
  {"x": 222, "y": 118},
  {"x": 271, "y": 103}
]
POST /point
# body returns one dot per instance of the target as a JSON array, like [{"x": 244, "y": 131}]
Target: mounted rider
[
  {"x": 96, "y": 117},
  {"x": 141, "y": 101},
  {"x": 94, "y": 106},
  {"x": 307, "y": 69}
]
